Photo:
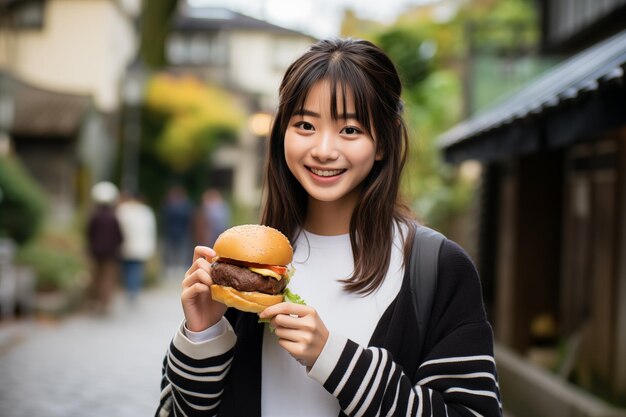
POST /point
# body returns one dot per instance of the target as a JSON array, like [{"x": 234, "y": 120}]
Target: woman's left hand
[{"x": 299, "y": 329}]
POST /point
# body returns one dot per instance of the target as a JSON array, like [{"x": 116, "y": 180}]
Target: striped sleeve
[
  {"x": 367, "y": 382},
  {"x": 193, "y": 375}
]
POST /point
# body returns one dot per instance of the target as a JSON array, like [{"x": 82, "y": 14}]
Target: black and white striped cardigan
[{"x": 455, "y": 377}]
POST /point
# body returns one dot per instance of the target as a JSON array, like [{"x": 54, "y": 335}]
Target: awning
[
  {"x": 43, "y": 113},
  {"x": 581, "y": 97}
]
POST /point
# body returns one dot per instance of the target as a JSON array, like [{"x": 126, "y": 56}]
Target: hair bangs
[
  {"x": 299, "y": 92},
  {"x": 344, "y": 82}
]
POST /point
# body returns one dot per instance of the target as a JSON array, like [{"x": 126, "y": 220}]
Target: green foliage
[
  {"x": 356, "y": 27},
  {"x": 502, "y": 39},
  {"x": 432, "y": 96},
  {"x": 187, "y": 140},
  {"x": 405, "y": 47},
  {"x": 197, "y": 117},
  {"x": 438, "y": 194},
  {"x": 57, "y": 259},
  {"x": 22, "y": 205},
  {"x": 183, "y": 121},
  {"x": 504, "y": 27}
]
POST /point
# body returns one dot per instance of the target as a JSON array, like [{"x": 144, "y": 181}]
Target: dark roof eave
[{"x": 572, "y": 121}]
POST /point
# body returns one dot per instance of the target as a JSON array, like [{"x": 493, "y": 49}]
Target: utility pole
[{"x": 133, "y": 95}]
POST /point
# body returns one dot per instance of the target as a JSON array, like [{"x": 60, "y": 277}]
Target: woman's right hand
[{"x": 201, "y": 312}]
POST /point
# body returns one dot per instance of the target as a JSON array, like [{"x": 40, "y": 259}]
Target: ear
[{"x": 379, "y": 155}]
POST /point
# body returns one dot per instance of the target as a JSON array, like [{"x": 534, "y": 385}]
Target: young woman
[{"x": 337, "y": 149}]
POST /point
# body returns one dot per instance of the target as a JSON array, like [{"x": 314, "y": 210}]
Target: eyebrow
[{"x": 305, "y": 112}]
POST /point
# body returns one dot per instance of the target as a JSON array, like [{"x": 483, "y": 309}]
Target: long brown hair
[{"x": 364, "y": 70}]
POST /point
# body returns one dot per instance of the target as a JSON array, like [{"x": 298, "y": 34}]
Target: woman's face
[{"x": 329, "y": 157}]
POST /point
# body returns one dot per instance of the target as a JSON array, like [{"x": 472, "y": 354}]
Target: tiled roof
[
  {"x": 43, "y": 113},
  {"x": 215, "y": 18}
]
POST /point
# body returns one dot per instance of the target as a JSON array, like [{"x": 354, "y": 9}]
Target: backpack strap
[{"x": 423, "y": 269}]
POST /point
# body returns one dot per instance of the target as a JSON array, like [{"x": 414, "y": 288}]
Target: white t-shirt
[{"x": 320, "y": 261}]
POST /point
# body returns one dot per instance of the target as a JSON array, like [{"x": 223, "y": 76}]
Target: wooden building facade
[{"x": 552, "y": 240}]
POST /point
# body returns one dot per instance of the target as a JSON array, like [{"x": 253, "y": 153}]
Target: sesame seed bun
[{"x": 254, "y": 243}]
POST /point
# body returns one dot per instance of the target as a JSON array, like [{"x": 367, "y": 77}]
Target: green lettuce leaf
[
  {"x": 293, "y": 298},
  {"x": 290, "y": 298}
]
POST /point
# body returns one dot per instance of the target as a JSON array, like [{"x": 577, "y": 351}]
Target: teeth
[{"x": 326, "y": 173}]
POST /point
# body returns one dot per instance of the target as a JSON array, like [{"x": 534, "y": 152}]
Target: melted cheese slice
[{"x": 266, "y": 272}]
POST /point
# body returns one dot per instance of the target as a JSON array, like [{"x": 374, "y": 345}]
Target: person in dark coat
[
  {"x": 177, "y": 216},
  {"x": 104, "y": 239}
]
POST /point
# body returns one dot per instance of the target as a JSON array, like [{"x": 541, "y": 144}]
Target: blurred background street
[{"x": 89, "y": 365}]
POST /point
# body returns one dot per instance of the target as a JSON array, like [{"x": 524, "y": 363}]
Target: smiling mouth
[{"x": 326, "y": 172}]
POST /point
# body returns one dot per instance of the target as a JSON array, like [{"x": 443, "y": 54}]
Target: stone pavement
[{"x": 89, "y": 366}]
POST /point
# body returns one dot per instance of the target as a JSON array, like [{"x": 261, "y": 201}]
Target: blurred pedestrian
[
  {"x": 139, "y": 230},
  {"x": 104, "y": 238},
  {"x": 177, "y": 217},
  {"x": 213, "y": 217}
]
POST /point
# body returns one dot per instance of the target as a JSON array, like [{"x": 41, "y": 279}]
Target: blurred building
[
  {"x": 552, "y": 240},
  {"x": 61, "y": 67},
  {"x": 248, "y": 57}
]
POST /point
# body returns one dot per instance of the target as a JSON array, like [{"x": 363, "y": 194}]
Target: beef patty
[{"x": 243, "y": 279}]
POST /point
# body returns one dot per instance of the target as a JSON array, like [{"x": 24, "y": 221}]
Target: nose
[{"x": 325, "y": 147}]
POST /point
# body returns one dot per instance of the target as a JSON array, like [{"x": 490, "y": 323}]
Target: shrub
[
  {"x": 58, "y": 261},
  {"x": 22, "y": 204}
]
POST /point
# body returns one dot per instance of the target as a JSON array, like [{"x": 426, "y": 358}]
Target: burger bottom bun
[{"x": 253, "y": 302}]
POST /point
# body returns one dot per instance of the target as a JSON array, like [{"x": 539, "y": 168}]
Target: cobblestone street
[{"x": 89, "y": 366}]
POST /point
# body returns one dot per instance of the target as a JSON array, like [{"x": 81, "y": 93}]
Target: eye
[
  {"x": 351, "y": 130},
  {"x": 304, "y": 125}
]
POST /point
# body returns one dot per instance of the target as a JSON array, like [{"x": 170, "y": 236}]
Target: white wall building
[
  {"x": 71, "y": 46},
  {"x": 63, "y": 62},
  {"x": 246, "y": 56}
]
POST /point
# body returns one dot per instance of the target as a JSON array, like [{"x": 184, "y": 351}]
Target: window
[
  {"x": 27, "y": 14},
  {"x": 196, "y": 49},
  {"x": 176, "y": 50},
  {"x": 199, "y": 49}
]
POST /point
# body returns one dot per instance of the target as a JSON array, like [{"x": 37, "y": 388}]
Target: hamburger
[{"x": 252, "y": 267}]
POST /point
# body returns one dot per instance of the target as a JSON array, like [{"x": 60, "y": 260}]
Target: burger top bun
[{"x": 254, "y": 243}]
